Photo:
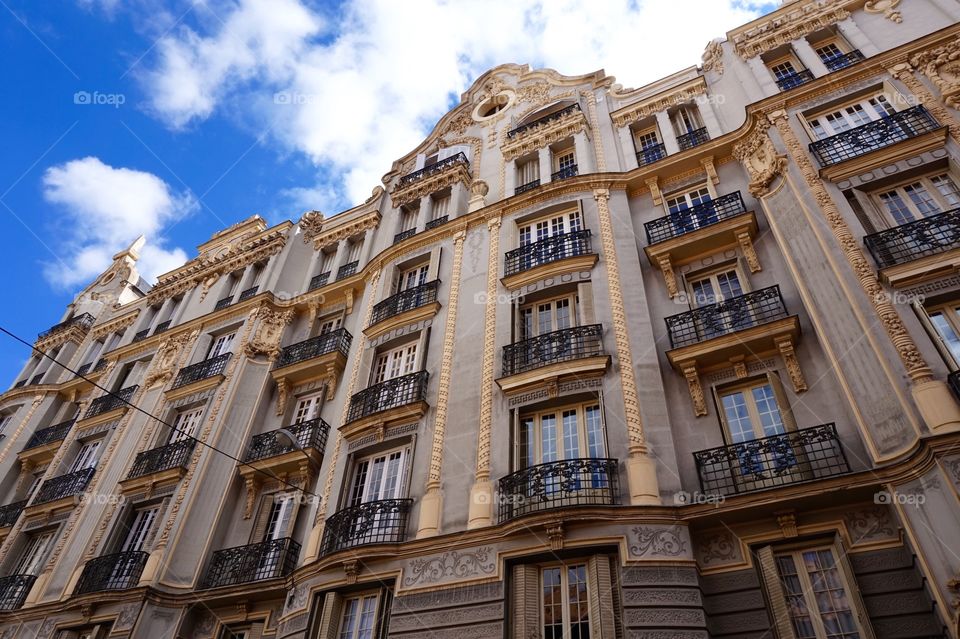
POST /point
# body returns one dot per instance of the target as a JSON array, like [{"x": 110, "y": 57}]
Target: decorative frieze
[
  {"x": 659, "y": 542},
  {"x": 541, "y": 135},
  {"x": 682, "y": 94},
  {"x": 786, "y": 25},
  {"x": 761, "y": 160},
  {"x": 452, "y": 566},
  {"x": 324, "y": 238}
]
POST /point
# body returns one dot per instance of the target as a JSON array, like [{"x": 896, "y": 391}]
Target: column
[
  {"x": 809, "y": 57},
  {"x": 626, "y": 145},
  {"x": 546, "y": 166},
  {"x": 763, "y": 76},
  {"x": 459, "y": 194},
  {"x": 667, "y": 134},
  {"x": 858, "y": 39},
  {"x": 584, "y": 152},
  {"x": 424, "y": 207},
  {"x": 311, "y": 270},
  {"x": 365, "y": 252},
  {"x": 338, "y": 258},
  {"x": 709, "y": 117}
]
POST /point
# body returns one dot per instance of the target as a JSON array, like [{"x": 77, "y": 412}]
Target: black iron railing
[
  {"x": 693, "y": 138},
  {"x": 403, "y": 235},
  {"x": 729, "y": 316},
  {"x": 248, "y": 293},
  {"x": 84, "y": 321},
  {"x": 795, "y": 79},
  {"x": 107, "y": 403},
  {"x": 63, "y": 486},
  {"x": 319, "y": 280},
  {"x": 308, "y": 434},
  {"x": 650, "y": 154},
  {"x": 224, "y": 303},
  {"x": 20, "y": 384},
  {"x": 347, "y": 269},
  {"x": 953, "y": 380},
  {"x": 434, "y": 168},
  {"x": 14, "y": 590},
  {"x": 161, "y": 327},
  {"x": 50, "y": 434},
  {"x": 37, "y": 378},
  {"x": 392, "y": 393},
  {"x": 559, "y": 484},
  {"x": 101, "y": 365},
  {"x": 405, "y": 301},
  {"x": 118, "y": 571},
  {"x": 175, "y": 455},
  {"x": 10, "y": 512},
  {"x": 844, "y": 60},
  {"x": 790, "y": 458},
  {"x": 255, "y": 562},
  {"x": 564, "y": 173},
  {"x": 547, "y": 250},
  {"x": 695, "y": 217},
  {"x": 372, "y": 522},
  {"x": 338, "y": 340},
  {"x": 564, "y": 345},
  {"x": 523, "y": 188},
  {"x": 550, "y": 117},
  {"x": 878, "y": 134},
  {"x": 139, "y": 336},
  {"x": 434, "y": 223},
  {"x": 83, "y": 370},
  {"x": 913, "y": 240},
  {"x": 202, "y": 370}
]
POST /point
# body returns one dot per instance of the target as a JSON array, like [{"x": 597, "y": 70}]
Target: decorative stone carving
[
  {"x": 338, "y": 233},
  {"x": 654, "y": 185},
  {"x": 669, "y": 277},
  {"x": 283, "y": 390},
  {"x": 870, "y": 524},
  {"x": 948, "y": 83},
  {"x": 653, "y": 540},
  {"x": 784, "y": 26},
  {"x": 555, "y": 534},
  {"x": 887, "y": 7},
  {"x": 543, "y": 134},
  {"x": 266, "y": 341},
  {"x": 739, "y": 367},
  {"x": 450, "y": 566},
  {"x": 787, "y": 520},
  {"x": 696, "y": 390},
  {"x": 351, "y": 569},
  {"x": 536, "y": 93},
  {"x": 713, "y": 57},
  {"x": 719, "y": 548},
  {"x": 761, "y": 160},
  {"x": 749, "y": 253},
  {"x": 679, "y": 95},
  {"x": 942, "y": 66},
  {"x": 165, "y": 363},
  {"x": 789, "y": 355},
  {"x": 311, "y": 223},
  {"x": 489, "y": 350}
]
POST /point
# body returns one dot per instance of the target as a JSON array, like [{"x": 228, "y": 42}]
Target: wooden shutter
[
  {"x": 330, "y": 617},
  {"x": 256, "y": 631},
  {"x": 263, "y": 518},
  {"x": 600, "y": 597},
  {"x": 525, "y": 603},
  {"x": 774, "y": 589},
  {"x": 586, "y": 315},
  {"x": 384, "y": 604},
  {"x": 851, "y": 586},
  {"x": 433, "y": 272},
  {"x": 786, "y": 412}
]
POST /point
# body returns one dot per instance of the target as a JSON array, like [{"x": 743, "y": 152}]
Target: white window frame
[
  {"x": 391, "y": 483},
  {"x": 221, "y": 344},
  {"x": 564, "y": 158},
  {"x": 34, "y": 553},
  {"x": 396, "y": 362},
  {"x": 185, "y": 424},
  {"x": 570, "y": 301},
  {"x": 930, "y": 188},
  {"x": 87, "y": 456},
  {"x": 528, "y": 455},
  {"x": 754, "y": 419},
  {"x": 713, "y": 276},
  {"x": 440, "y": 206},
  {"x": 307, "y": 408},
  {"x": 528, "y": 171},
  {"x": 355, "y": 612},
  {"x": 564, "y": 569},
  {"x": 547, "y": 226},
  {"x": 678, "y": 201},
  {"x": 412, "y": 277},
  {"x": 850, "y": 115},
  {"x": 5, "y": 420},
  {"x": 944, "y": 320},
  {"x": 140, "y": 528},
  {"x": 686, "y": 119}
]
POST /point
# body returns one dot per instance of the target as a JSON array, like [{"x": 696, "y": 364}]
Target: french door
[
  {"x": 307, "y": 408},
  {"x": 819, "y": 604},
  {"x": 412, "y": 278},
  {"x": 279, "y": 521},
  {"x": 185, "y": 425},
  {"x": 86, "y": 456},
  {"x": 750, "y": 413},
  {"x": 221, "y": 344},
  {"x": 851, "y": 116},
  {"x": 568, "y": 433},
  {"x": 33, "y": 555},
  {"x": 377, "y": 478},
  {"x": 682, "y": 218},
  {"x": 395, "y": 363},
  {"x": 712, "y": 290}
]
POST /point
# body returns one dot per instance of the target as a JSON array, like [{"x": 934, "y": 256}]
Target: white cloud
[
  {"x": 106, "y": 208},
  {"x": 364, "y": 89}
]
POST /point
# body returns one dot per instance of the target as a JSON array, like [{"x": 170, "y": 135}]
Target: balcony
[
  {"x": 248, "y": 293},
  {"x": 11, "y": 512},
  {"x": 162, "y": 327},
  {"x": 571, "y": 351},
  {"x": 319, "y": 280},
  {"x": 372, "y": 522},
  {"x": 523, "y": 188},
  {"x": 100, "y": 366},
  {"x": 919, "y": 249},
  {"x": 432, "y": 178},
  {"x": 309, "y": 435},
  {"x": 734, "y": 315},
  {"x": 559, "y": 484},
  {"x": 433, "y": 169},
  {"x": 693, "y": 138},
  {"x": 83, "y": 321},
  {"x": 347, "y": 269},
  {"x": 549, "y": 257},
  {"x": 564, "y": 173},
  {"x": 651, "y": 154},
  {"x": 914, "y": 124},
  {"x": 793, "y": 457},
  {"x": 404, "y": 308},
  {"x": 696, "y": 217},
  {"x": 20, "y": 384},
  {"x": 14, "y": 590},
  {"x": 118, "y": 571},
  {"x": 104, "y": 406},
  {"x": 44, "y": 443},
  {"x": 844, "y": 60},
  {"x": 209, "y": 371},
  {"x": 158, "y": 467},
  {"x": 269, "y": 559},
  {"x": 794, "y": 80},
  {"x": 37, "y": 379},
  {"x": 404, "y": 235},
  {"x": 65, "y": 487},
  {"x": 440, "y": 221},
  {"x": 83, "y": 370},
  {"x": 141, "y": 335},
  {"x": 314, "y": 358},
  {"x": 397, "y": 399},
  {"x": 556, "y": 115},
  {"x": 224, "y": 303}
]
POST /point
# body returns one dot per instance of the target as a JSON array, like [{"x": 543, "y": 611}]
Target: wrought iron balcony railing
[
  {"x": 405, "y": 301},
  {"x": 650, "y": 154},
  {"x": 564, "y": 173},
  {"x": 392, "y": 393},
  {"x": 559, "y": 484},
  {"x": 551, "y": 348},
  {"x": 248, "y": 293},
  {"x": 10, "y": 512},
  {"x": 694, "y": 218},
  {"x": 309, "y": 434},
  {"x": 434, "y": 223},
  {"x": 953, "y": 380},
  {"x": 224, "y": 303},
  {"x": 871, "y": 136},
  {"x": 50, "y": 434},
  {"x": 347, "y": 269},
  {"x": 556, "y": 115},
  {"x": 141, "y": 335},
  {"x": 118, "y": 571},
  {"x": 434, "y": 168},
  {"x": 547, "y": 250},
  {"x": 107, "y": 403},
  {"x": 20, "y": 384},
  {"x": 161, "y": 327},
  {"x": 758, "y": 464},
  {"x": 84, "y": 321},
  {"x": 913, "y": 240},
  {"x": 155, "y": 460},
  {"x": 37, "y": 378},
  {"x": 844, "y": 60},
  {"x": 14, "y": 590},
  {"x": 403, "y": 235},
  {"x": 729, "y": 316},
  {"x": 101, "y": 364},
  {"x": 63, "y": 486},
  {"x": 523, "y": 188},
  {"x": 693, "y": 138},
  {"x": 338, "y": 340},
  {"x": 371, "y": 522},
  {"x": 793, "y": 80},
  {"x": 83, "y": 370},
  {"x": 202, "y": 370},
  {"x": 319, "y": 280},
  {"x": 255, "y": 562}
]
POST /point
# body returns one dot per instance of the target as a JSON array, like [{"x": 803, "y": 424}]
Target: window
[
  {"x": 752, "y": 412},
  {"x": 353, "y": 250},
  {"x": 4, "y": 422},
  {"x": 408, "y": 222},
  {"x": 34, "y": 553},
  {"x": 850, "y": 116},
  {"x": 564, "y": 160},
  {"x": 686, "y": 119},
  {"x": 395, "y": 363},
  {"x": 571, "y": 432},
  {"x": 554, "y": 225},
  {"x": 566, "y": 609},
  {"x": 86, "y": 456},
  {"x": 221, "y": 344},
  {"x": 185, "y": 424},
  {"x": 380, "y": 476},
  {"x": 139, "y": 531},
  {"x": 929, "y": 195},
  {"x": 783, "y": 70},
  {"x": 646, "y": 139},
  {"x": 35, "y": 482},
  {"x": 816, "y": 594},
  {"x": 330, "y": 323},
  {"x": 280, "y": 517},
  {"x": 829, "y": 52},
  {"x": 547, "y": 316},
  {"x": 440, "y": 207},
  {"x": 307, "y": 408},
  {"x": 359, "y": 617},
  {"x": 715, "y": 287},
  {"x": 412, "y": 277},
  {"x": 327, "y": 257},
  {"x": 677, "y": 202},
  {"x": 946, "y": 322},
  {"x": 528, "y": 172}
]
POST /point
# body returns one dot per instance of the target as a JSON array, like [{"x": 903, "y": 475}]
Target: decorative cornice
[
  {"x": 785, "y": 26},
  {"x": 456, "y": 172},
  {"x": 713, "y": 57},
  {"x": 678, "y": 95},
  {"x": 540, "y": 135},
  {"x": 114, "y": 325}
]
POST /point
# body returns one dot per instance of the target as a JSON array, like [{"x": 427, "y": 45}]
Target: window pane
[
  {"x": 830, "y": 596},
  {"x": 527, "y": 448},
  {"x": 896, "y": 207},
  {"x": 595, "y": 443},
  {"x": 548, "y": 435},
  {"x": 947, "y": 189},
  {"x": 552, "y": 604},
  {"x": 349, "y": 624},
  {"x": 769, "y": 411},
  {"x": 579, "y": 607},
  {"x": 729, "y": 284},
  {"x": 949, "y": 336},
  {"x": 922, "y": 199},
  {"x": 367, "y": 618},
  {"x": 571, "y": 435},
  {"x": 738, "y": 419}
]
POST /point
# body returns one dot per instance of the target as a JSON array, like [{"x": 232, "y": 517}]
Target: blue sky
[{"x": 178, "y": 118}]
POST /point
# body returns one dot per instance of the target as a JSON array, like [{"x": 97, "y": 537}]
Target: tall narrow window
[
  {"x": 572, "y": 432},
  {"x": 221, "y": 344},
  {"x": 548, "y": 316},
  {"x": 816, "y": 594},
  {"x": 379, "y": 477},
  {"x": 139, "y": 530},
  {"x": 441, "y": 207},
  {"x": 946, "y": 321},
  {"x": 185, "y": 424},
  {"x": 686, "y": 119},
  {"x": 33, "y": 555},
  {"x": 4, "y": 422},
  {"x": 86, "y": 456},
  {"x": 412, "y": 277},
  {"x": 528, "y": 173},
  {"x": 566, "y": 608},
  {"x": 307, "y": 408},
  {"x": 716, "y": 287},
  {"x": 359, "y": 618},
  {"x": 330, "y": 323},
  {"x": 395, "y": 363}
]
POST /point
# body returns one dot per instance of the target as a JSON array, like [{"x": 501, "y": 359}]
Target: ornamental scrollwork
[
  {"x": 759, "y": 157},
  {"x": 713, "y": 57},
  {"x": 658, "y": 541},
  {"x": 266, "y": 341},
  {"x": 942, "y": 66},
  {"x": 450, "y": 565}
]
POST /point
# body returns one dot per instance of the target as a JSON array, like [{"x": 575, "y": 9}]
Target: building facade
[{"x": 670, "y": 362}]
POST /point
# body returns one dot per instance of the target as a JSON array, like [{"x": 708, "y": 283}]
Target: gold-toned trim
[
  {"x": 924, "y": 269},
  {"x": 151, "y": 482},
  {"x": 377, "y": 423},
  {"x": 548, "y": 376},
  {"x": 887, "y": 155},
  {"x": 754, "y": 341},
  {"x": 565, "y": 266},
  {"x": 688, "y": 247},
  {"x": 405, "y": 318}
]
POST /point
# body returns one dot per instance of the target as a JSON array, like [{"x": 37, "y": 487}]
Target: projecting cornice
[{"x": 680, "y": 94}]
